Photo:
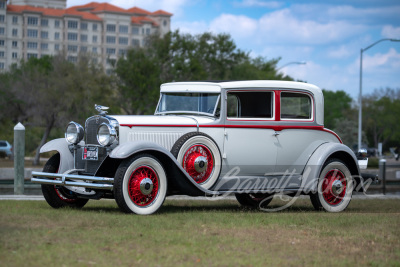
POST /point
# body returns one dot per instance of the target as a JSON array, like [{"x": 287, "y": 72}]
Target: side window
[
  {"x": 296, "y": 106},
  {"x": 250, "y": 105},
  {"x": 233, "y": 106}
]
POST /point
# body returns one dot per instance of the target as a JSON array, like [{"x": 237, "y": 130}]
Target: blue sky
[{"x": 327, "y": 35}]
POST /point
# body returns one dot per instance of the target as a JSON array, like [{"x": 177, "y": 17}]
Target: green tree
[
  {"x": 138, "y": 81},
  {"x": 337, "y": 106},
  {"x": 48, "y": 91},
  {"x": 258, "y": 68},
  {"x": 381, "y": 113},
  {"x": 347, "y": 129},
  {"x": 184, "y": 57}
]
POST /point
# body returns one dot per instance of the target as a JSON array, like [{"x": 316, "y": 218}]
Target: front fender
[
  {"x": 61, "y": 146},
  {"x": 320, "y": 156},
  {"x": 128, "y": 149},
  {"x": 176, "y": 174}
]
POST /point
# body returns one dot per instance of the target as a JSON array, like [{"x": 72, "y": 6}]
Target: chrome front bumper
[{"x": 72, "y": 180}]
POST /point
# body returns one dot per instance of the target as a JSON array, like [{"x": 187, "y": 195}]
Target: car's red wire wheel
[
  {"x": 198, "y": 161},
  {"x": 143, "y": 186},
  {"x": 64, "y": 195},
  {"x": 334, "y": 187}
]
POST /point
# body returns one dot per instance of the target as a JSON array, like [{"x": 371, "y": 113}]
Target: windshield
[{"x": 198, "y": 103}]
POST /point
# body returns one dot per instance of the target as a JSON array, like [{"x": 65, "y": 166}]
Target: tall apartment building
[{"x": 33, "y": 28}]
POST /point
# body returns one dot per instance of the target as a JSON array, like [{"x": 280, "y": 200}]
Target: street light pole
[
  {"x": 360, "y": 104},
  {"x": 290, "y": 63},
  {"x": 360, "y": 96}
]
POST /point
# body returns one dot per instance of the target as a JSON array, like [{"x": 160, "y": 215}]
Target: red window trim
[
  {"x": 298, "y": 120},
  {"x": 251, "y": 119}
]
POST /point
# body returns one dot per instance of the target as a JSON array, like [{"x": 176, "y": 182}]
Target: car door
[
  {"x": 249, "y": 143},
  {"x": 299, "y": 135}
]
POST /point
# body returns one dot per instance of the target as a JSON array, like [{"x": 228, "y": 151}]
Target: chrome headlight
[
  {"x": 74, "y": 133},
  {"x": 106, "y": 134}
]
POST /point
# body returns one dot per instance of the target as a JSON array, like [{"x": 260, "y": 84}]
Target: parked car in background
[
  {"x": 371, "y": 152},
  {"x": 5, "y": 149},
  {"x": 253, "y": 139}
]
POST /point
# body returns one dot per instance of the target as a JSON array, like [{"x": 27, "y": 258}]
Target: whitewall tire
[
  {"x": 335, "y": 187},
  {"x": 199, "y": 155},
  {"x": 140, "y": 185}
]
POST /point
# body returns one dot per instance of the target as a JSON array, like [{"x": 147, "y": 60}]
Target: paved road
[{"x": 41, "y": 198}]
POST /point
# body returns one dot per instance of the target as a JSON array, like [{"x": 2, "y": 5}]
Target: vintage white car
[{"x": 253, "y": 139}]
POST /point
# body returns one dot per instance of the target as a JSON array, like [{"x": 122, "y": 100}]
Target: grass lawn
[{"x": 199, "y": 233}]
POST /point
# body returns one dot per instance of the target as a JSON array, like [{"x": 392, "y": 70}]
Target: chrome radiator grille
[{"x": 91, "y": 128}]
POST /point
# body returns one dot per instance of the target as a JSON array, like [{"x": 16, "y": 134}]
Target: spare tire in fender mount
[{"x": 199, "y": 155}]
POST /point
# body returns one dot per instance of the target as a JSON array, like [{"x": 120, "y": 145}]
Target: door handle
[{"x": 276, "y": 134}]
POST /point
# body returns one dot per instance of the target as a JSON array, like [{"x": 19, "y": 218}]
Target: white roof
[{"x": 216, "y": 87}]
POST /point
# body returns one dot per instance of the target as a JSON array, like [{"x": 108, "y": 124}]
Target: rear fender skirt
[{"x": 318, "y": 158}]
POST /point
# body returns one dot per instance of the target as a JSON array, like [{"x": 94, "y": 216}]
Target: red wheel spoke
[
  {"x": 330, "y": 178},
  {"x": 135, "y": 193},
  {"x": 197, "y": 152}
]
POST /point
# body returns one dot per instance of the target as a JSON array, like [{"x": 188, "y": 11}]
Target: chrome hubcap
[
  {"x": 146, "y": 186},
  {"x": 200, "y": 164},
  {"x": 337, "y": 187}
]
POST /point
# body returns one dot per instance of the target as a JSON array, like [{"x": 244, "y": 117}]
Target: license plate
[{"x": 90, "y": 153}]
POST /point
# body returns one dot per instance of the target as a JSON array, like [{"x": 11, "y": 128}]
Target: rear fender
[{"x": 320, "y": 156}]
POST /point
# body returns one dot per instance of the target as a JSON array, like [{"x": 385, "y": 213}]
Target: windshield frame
[{"x": 179, "y": 112}]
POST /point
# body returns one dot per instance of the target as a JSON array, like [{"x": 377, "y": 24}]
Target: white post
[{"x": 19, "y": 161}]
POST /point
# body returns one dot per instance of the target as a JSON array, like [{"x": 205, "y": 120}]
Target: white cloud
[
  {"x": 258, "y": 3},
  {"x": 192, "y": 27},
  {"x": 341, "y": 52},
  {"x": 328, "y": 12},
  {"x": 389, "y": 31},
  {"x": 282, "y": 27},
  {"x": 347, "y": 50},
  {"x": 237, "y": 26},
  {"x": 389, "y": 60},
  {"x": 346, "y": 11},
  {"x": 326, "y": 77},
  {"x": 379, "y": 71},
  {"x": 287, "y": 53}
]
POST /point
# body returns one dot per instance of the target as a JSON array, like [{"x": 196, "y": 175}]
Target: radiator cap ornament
[{"x": 101, "y": 109}]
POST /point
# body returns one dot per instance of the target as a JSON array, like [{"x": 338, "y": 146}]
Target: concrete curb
[
  {"x": 21, "y": 197},
  {"x": 41, "y": 198}
]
